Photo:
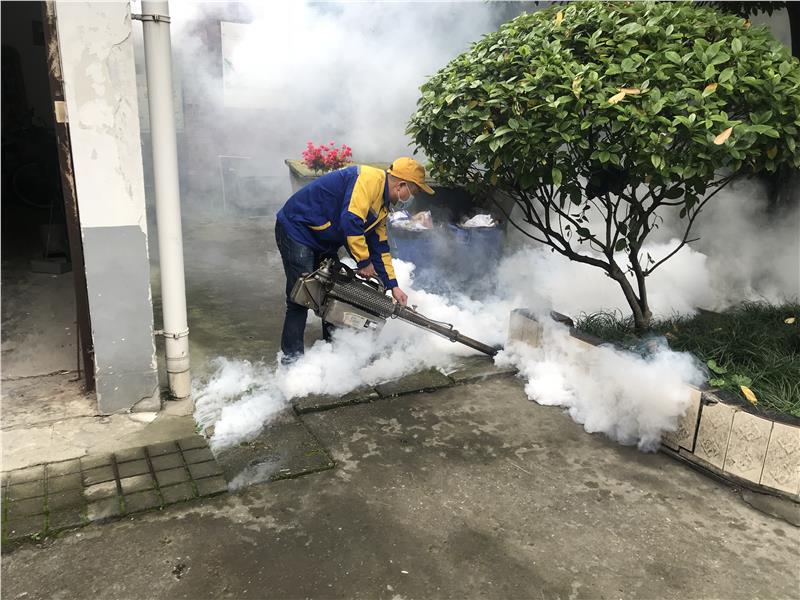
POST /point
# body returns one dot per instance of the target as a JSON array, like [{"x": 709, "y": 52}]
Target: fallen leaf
[
  {"x": 747, "y": 23},
  {"x": 616, "y": 98},
  {"x": 576, "y": 86},
  {"x": 630, "y": 90},
  {"x": 710, "y": 89},
  {"x": 559, "y": 17},
  {"x": 790, "y": 320},
  {"x": 772, "y": 152},
  {"x": 720, "y": 139},
  {"x": 748, "y": 393}
]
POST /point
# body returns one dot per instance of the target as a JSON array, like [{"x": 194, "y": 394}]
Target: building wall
[{"x": 100, "y": 87}]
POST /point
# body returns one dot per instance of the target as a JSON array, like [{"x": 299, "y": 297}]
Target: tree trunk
[{"x": 641, "y": 311}]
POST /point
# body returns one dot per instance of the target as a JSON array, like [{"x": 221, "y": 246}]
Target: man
[{"x": 348, "y": 207}]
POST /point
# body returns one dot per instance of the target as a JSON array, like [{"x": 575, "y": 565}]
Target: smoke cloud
[{"x": 283, "y": 73}]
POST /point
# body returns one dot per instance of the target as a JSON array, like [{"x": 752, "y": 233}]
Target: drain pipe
[{"x": 158, "y": 59}]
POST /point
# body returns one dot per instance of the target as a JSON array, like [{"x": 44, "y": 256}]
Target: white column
[
  {"x": 158, "y": 57},
  {"x": 99, "y": 76}
]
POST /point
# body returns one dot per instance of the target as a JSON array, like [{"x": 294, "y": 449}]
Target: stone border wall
[{"x": 745, "y": 448}]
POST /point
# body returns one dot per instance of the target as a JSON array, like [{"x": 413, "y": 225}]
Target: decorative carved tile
[
  {"x": 683, "y": 436},
  {"x": 714, "y": 432},
  {"x": 524, "y": 328},
  {"x": 782, "y": 463},
  {"x": 747, "y": 446}
]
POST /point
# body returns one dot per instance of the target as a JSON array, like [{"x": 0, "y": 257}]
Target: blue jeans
[{"x": 297, "y": 260}]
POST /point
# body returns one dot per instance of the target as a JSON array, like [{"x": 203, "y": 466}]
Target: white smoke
[
  {"x": 240, "y": 397},
  {"x": 630, "y": 398},
  {"x": 603, "y": 393},
  {"x": 350, "y": 72}
]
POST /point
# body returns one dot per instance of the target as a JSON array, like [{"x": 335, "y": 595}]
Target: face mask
[{"x": 407, "y": 201}]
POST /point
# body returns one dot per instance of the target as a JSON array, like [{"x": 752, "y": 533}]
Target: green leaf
[
  {"x": 714, "y": 367},
  {"x": 741, "y": 380},
  {"x": 725, "y": 75},
  {"x": 673, "y": 56},
  {"x": 620, "y": 245},
  {"x": 556, "y": 173},
  {"x": 736, "y": 45}
]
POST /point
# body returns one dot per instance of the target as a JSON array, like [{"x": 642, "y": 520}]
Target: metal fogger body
[{"x": 341, "y": 298}]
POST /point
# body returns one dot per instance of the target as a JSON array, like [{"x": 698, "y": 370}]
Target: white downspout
[{"x": 158, "y": 59}]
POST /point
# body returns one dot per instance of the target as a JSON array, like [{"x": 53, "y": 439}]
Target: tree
[{"x": 596, "y": 118}]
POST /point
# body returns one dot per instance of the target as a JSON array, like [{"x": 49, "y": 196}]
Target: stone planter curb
[
  {"x": 735, "y": 444},
  {"x": 475, "y": 369}
]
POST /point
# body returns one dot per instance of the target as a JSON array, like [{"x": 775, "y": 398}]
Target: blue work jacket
[{"x": 348, "y": 207}]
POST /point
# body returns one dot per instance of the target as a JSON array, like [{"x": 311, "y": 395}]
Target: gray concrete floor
[
  {"x": 38, "y": 321},
  {"x": 467, "y": 492}
]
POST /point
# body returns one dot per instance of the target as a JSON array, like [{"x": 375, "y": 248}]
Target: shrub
[{"x": 598, "y": 117}]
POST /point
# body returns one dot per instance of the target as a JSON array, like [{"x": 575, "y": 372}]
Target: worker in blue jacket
[{"x": 349, "y": 208}]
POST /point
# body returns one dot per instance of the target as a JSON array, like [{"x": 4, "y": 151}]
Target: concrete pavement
[{"x": 466, "y": 492}]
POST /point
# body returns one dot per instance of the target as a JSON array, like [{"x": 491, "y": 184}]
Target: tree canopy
[{"x": 616, "y": 109}]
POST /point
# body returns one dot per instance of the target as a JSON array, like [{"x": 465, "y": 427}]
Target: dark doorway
[{"x": 40, "y": 333}]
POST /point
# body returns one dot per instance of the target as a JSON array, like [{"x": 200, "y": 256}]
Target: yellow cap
[{"x": 408, "y": 169}]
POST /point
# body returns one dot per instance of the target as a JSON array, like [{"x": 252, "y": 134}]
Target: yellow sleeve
[
  {"x": 354, "y": 218},
  {"x": 383, "y": 248}
]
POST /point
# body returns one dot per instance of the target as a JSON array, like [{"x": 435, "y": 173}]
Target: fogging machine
[{"x": 340, "y": 297}]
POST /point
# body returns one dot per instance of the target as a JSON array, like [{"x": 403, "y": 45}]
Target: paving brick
[
  {"x": 97, "y": 460},
  {"x": 129, "y": 455},
  {"x": 64, "y": 500},
  {"x": 177, "y": 493},
  {"x": 25, "y": 475},
  {"x": 66, "y": 467},
  {"x": 63, "y": 483},
  {"x": 714, "y": 432},
  {"x": 98, "y": 475},
  {"x": 20, "y": 491},
  {"x": 782, "y": 461},
  {"x": 129, "y": 469},
  {"x": 423, "y": 381},
  {"x": 211, "y": 486},
  {"x": 198, "y": 455},
  {"x": 169, "y": 461},
  {"x": 172, "y": 476},
  {"x": 106, "y": 508},
  {"x": 747, "y": 446},
  {"x": 684, "y": 434},
  {"x": 24, "y": 527},
  {"x": 161, "y": 449},
  {"x": 66, "y": 518},
  {"x": 205, "y": 469},
  {"x": 142, "y": 501},
  {"x": 100, "y": 490},
  {"x": 137, "y": 483},
  {"x": 190, "y": 443},
  {"x": 26, "y": 508}
]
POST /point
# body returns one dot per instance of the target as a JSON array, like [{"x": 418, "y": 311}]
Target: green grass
[{"x": 750, "y": 344}]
